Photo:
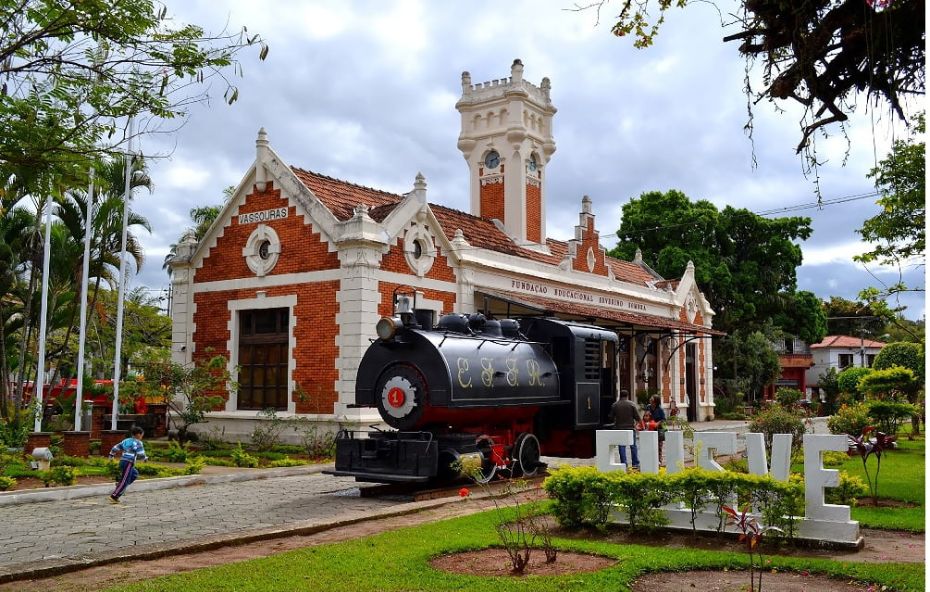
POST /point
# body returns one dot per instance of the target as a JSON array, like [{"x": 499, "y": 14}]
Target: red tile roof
[
  {"x": 341, "y": 197},
  {"x": 847, "y": 341}
]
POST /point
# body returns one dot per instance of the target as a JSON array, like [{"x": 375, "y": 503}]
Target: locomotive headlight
[{"x": 387, "y": 327}]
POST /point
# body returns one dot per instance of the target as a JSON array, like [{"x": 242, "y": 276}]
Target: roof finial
[
  {"x": 585, "y": 205},
  {"x": 516, "y": 71},
  {"x": 638, "y": 257}
]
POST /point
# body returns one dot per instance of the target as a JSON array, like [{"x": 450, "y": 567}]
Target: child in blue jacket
[{"x": 130, "y": 451}]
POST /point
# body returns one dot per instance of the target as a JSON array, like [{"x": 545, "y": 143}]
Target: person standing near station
[
  {"x": 625, "y": 415},
  {"x": 658, "y": 415},
  {"x": 130, "y": 450}
]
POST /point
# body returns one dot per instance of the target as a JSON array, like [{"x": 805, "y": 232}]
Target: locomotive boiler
[{"x": 498, "y": 392}]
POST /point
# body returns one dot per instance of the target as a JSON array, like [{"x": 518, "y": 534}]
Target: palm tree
[
  {"x": 107, "y": 234},
  {"x": 203, "y": 218}
]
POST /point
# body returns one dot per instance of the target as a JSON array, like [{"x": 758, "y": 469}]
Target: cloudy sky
[{"x": 365, "y": 91}]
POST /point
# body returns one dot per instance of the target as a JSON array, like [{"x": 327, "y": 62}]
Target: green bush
[
  {"x": 583, "y": 496},
  {"x": 848, "y": 380},
  {"x": 788, "y": 397},
  {"x": 776, "y": 419},
  {"x": 834, "y": 459},
  {"x": 63, "y": 475},
  {"x": 194, "y": 465},
  {"x": 7, "y": 483},
  {"x": 890, "y": 382},
  {"x": 218, "y": 462},
  {"x": 176, "y": 452},
  {"x": 850, "y": 489},
  {"x": 906, "y": 355},
  {"x": 888, "y": 415},
  {"x": 243, "y": 458},
  {"x": 286, "y": 462},
  {"x": 14, "y": 431},
  {"x": 849, "y": 419},
  {"x": 268, "y": 430}
]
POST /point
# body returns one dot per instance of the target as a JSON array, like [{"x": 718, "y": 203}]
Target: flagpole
[
  {"x": 117, "y": 365},
  {"x": 37, "y": 388},
  {"x": 88, "y": 230}
]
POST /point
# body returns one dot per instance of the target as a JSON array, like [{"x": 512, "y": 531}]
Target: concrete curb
[
  {"x": 9, "y": 498},
  {"x": 53, "y": 567}
]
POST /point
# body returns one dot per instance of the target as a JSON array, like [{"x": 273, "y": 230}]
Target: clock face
[
  {"x": 531, "y": 164},
  {"x": 492, "y": 160}
]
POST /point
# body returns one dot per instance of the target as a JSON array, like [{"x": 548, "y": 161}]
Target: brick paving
[{"x": 76, "y": 529}]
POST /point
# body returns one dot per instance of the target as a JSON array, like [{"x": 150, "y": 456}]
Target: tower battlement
[{"x": 501, "y": 87}]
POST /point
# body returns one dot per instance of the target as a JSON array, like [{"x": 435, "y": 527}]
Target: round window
[
  {"x": 417, "y": 249},
  {"x": 264, "y": 250}
]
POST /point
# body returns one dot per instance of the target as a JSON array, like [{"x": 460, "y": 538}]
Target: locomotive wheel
[
  {"x": 526, "y": 457},
  {"x": 488, "y": 466},
  {"x": 401, "y": 396}
]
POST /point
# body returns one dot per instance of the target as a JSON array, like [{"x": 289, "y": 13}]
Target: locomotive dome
[{"x": 317, "y": 289}]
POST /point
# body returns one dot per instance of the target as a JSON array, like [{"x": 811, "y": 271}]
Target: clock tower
[{"x": 507, "y": 142}]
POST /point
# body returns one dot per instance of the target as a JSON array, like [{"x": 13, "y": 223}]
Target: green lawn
[
  {"x": 399, "y": 560},
  {"x": 901, "y": 478}
]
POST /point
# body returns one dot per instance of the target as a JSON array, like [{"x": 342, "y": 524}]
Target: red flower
[{"x": 464, "y": 492}]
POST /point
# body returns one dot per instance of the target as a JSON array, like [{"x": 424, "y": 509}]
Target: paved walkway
[{"x": 76, "y": 529}]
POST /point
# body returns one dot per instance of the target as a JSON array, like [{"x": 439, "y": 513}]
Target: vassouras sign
[
  {"x": 263, "y": 216},
  {"x": 821, "y": 521}
]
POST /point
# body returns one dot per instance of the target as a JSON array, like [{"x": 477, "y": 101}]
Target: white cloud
[{"x": 365, "y": 91}]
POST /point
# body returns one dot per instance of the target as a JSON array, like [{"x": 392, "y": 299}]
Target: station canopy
[{"x": 507, "y": 305}]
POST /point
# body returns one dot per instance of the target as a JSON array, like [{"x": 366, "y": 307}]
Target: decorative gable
[{"x": 585, "y": 250}]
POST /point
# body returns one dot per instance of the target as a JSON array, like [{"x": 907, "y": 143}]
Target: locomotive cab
[{"x": 479, "y": 389}]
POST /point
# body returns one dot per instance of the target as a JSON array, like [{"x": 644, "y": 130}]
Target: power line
[{"x": 793, "y": 208}]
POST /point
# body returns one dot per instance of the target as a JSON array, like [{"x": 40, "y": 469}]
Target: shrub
[
  {"x": 7, "y": 483},
  {"x": 831, "y": 458},
  {"x": 15, "y": 431},
  {"x": 243, "y": 458},
  {"x": 890, "y": 382},
  {"x": 176, "y": 452},
  {"x": 214, "y": 438},
  {"x": 584, "y": 496},
  {"x": 218, "y": 462},
  {"x": 888, "y": 415},
  {"x": 267, "y": 430},
  {"x": 848, "y": 381},
  {"x": 642, "y": 495},
  {"x": 286, "y": 462},
  {"x": 317, "y": 442},
  {"x": 906, "y": 355},
  {"x": 850, "y": 489},
  {"x": 63, "y": 475},
  {"x": 775, "y": 419},
  {"x": 788, "y": 397},
  {"x": 579, "y": 496},
  {"x": 194, "y": 465},
  {"x": 849, "y": 419}
]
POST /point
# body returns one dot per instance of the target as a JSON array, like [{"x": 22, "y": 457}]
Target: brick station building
[{"x": 292, "y": 277}]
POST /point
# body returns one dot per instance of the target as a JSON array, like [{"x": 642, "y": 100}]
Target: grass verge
[{"x": 399, "y": 560}]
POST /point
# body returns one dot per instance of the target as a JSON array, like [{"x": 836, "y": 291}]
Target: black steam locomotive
[{"x": 497, "y": 392}]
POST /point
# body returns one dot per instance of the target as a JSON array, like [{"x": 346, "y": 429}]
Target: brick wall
[
  {"x": 533, "y": 214},
  {"x": 492, "y": 201},
  {"x": 301, "y": 248},
  {"x": 315, "y": 335},
  {"x": 590, "y": 239},
  {"x": 396, "y": 261}
]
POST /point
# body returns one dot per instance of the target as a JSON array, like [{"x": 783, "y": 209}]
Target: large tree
[
  {"x": 898, "y": 232},
  {"x": 819, "y": 53},
  {"x": 745, "y": 264},
  {"x": 856, "y": 317},
  {"x": 73, "y": 72}
]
